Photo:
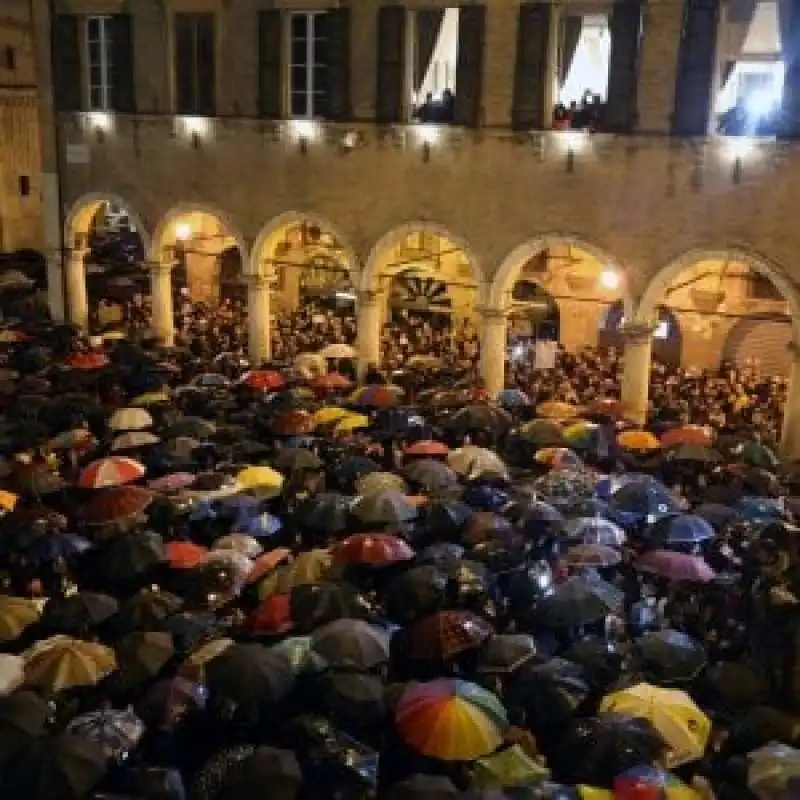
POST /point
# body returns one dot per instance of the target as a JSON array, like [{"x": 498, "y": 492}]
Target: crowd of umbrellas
[{"x": 223, "y": 584}]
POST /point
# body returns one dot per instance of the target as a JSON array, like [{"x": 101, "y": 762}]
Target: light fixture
[
  {"x": 428, "y": 134},
  {"x": 573, "y": 141},
  {"x": 739, "y": 147},
  {"x": 183, "y": 231},
  {"x": 610, "y": 279},
  {"x": 195, "y": 126},
  {"x": 304, "y": 129},
  {"x": 99, "y": 120},
  {"x": 350, "y": 140}
]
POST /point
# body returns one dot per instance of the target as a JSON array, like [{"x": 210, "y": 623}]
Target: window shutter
[
  {"x": 696, "y": 63},
  {"x": 123, "y": 92},
  {"x": 469, "y": 67},
  {"x": 184, "y": 64},
  {"x": 206, "y": 65},
  {"x": 533, "y": 39},
  {"x": 68, "y": 84},
  {"x": 336, "y": 102},
  {"x": 626, "y": 31},
  {"x": 270, "y": 63},
  {"x": 391, "y": 87}
]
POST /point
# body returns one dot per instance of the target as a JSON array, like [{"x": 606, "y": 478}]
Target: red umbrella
[
  {"x": 446, "y": 634},
  {"x": 675, "y": 566},
  {"x": 87, "y": 361},
  {"x": 264, "y": 380},
  {"x": 688, "y": 434},
  {"x": 267, "y": 562},
  {"x": 117, "y": 504},
  {"x": 428, "y": 448},
  {"x": 293, "y": 423},
  {"x": 331, "y": 382},
  {"x": 375, "y": 549},
  {"x": 112, "y": 471},
  {"x": 273, "y": 616},
  {"x": 185, "y": 555}
]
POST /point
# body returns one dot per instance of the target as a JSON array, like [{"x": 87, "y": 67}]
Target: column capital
[
  {"x": 490, "y": 314},
  {"x": 160, "y": 267},
  {"x": 637, "y": 332},
  {"x": 259, "y": 280}
]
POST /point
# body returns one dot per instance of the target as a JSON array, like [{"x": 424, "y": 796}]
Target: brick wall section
[
  {"x": 499, "y": 62},
  {"x": 663, "y": 21}
]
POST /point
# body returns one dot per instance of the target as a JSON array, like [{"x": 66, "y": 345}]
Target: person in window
[{"x": 447, "y": 107}]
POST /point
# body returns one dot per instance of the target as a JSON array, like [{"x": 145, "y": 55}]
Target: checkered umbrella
[{"x": 446, "y": 634}]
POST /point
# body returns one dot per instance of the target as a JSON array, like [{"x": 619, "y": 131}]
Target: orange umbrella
[
  {"x": 267, "y": 562},
  {"x": 87, "y": 361},
  {"x": 264, "y": 380},
  {"x": 185, "y": 555},
  {"x": 331, "y": 382},
  {"x": 688, "y": 434},
  {"x": 427, "y": 448},
  {"x": 643, "y": 441}
]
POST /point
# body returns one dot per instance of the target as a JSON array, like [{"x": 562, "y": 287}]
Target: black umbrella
[
  {"x": 717, "y": 515},
  {"x": 250, "y": 675},
  {"x": 419, "y": 591},
  {"x": 669, "y": 656},
  {"x": 424, "y": 787},
  {"x": 504, "y": 653},
  {"x": 23, "y": 718},
  {"x": 142, "y": 655},
  {"x": 65, "y": 766},
  {"x": 480, "y": 417},
  {"x": 324, "y": 513},
  {"x": 266, "y": 769},
  {"x": 352, "y": 698},
  {"x": 595, "y": 751},
  {"x": 446, "y": 519},
  {"x": 315, "y": 604},
  {"x": 292, "y": 459},
  {"x": 124, "y": 558},
  {"x": 574, "y": 603},
  {"x": 602, "y": 664},
  {"x": 147, "y": 610},
  {"x": 78, "y": 613}
]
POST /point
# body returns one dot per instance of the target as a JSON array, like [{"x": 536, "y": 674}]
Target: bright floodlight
[
  {"x": 760, "y": 104},
  {"x": 100, "y": 120},
  {"x": 304, "y": 128},
  {"x": 183, "y": 231},
  {"x": 739, "y": 146},
  {"x": 195, "y": 126},
  {"x": 609, "y": 278},
  {"x": 428, "y": 134}
]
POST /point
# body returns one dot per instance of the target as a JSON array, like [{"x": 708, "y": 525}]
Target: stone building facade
[
  {"x": 20, "y": 183},
  {"x": 198, "y": 130}
]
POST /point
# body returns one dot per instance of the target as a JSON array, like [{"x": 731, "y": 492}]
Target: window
[
  {"x": 308, "y": 67},
  {"x": 195, "y": 64},
  {"x": 24, "y": 185},
  {"x": 10, "y": 58},
  {"x": 98, "y": 62}
]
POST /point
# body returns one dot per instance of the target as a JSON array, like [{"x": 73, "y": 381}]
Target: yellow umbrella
[
  {"x": 264, "y": 479},
  {"x": 376, "y": 482},
  {"x": 638, "y": 440},
  {"x": 8, "y": 500},
  {"x": 556, "y": 410},
  {"x": 194, "y": 668},
  {"x": 507, "y": 769},
  {"x": 309, "y": 567},
  {"x": 593, "y": 793},
  {"x": 150, "y": 399},
  {"x": 16, "y": 614},
  {"x": 329, "y": 415},
  {"x": 62, "y": 662},
  {"x": 352, "y": 422},
  {"x": 681, "y": 723}
]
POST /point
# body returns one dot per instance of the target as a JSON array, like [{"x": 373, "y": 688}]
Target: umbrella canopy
[
  {"x": 338, "y": 350},
  {"x": 595, "y": 530},
  {"x": 446, "y": 634},
  {"x": 451, "y": 720},
  {"x": 117, "y": 504},
  {"x": 116, "y": 732},
  {"x": 133, "y": 440},
  {"x": 130, "y": 419},
  {"x": 142, "y": 655},
  {"x": 376, "y": 482},
  {"x": 265, "y": 480},
  {"x": 684, "y": 727},
  {"x": 23, "y": 718},
  {"x": 351, "y": 643},
  {"x": 477, "y": 462},
  {"x": 78, "y": 612},
  {"x": 578, "y": 602},
  {"x": 427, "y": 448},
  {"x": 264, "y": 767},
  {"x": 556, "y": 410},
  {"x": 310, "y": 567},
  {"x": 263, "y": 380},
  {"x": 377, "y": 396},
  {"x": 543, "y": 433},
  {"x": 61, "y": 662},
  {"x": 675, "y": 566},
  {"x": 293, "y": 459},
  {"x": 16, "y": 614},
  {"x": 680, "y": 529},
  {"x": 375, "y": 549},
  {"x": 384, "y": 508},
  {"x": 688, "y": 434},
  {"x": 773, "y": 769},
  {"x": 671, "y": 656}
]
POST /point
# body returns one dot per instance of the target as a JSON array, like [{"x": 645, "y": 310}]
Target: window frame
[
  {"x": 312, "y": 95},
  {"x": 104, "y": 67}
]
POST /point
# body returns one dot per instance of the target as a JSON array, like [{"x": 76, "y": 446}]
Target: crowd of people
[
  {"x": 586, "y": 115},
  {"x": 220, "y": 583}
]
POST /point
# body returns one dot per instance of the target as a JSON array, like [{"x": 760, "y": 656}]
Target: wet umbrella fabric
[
  {"x": 671, "y": 656},
  {"x": 264, "y": 767}
]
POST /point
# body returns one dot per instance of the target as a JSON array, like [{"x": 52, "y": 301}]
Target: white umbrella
[
  {"x": 339, "y": 350},
  {"x": 12, "y": 673},
  {"x": 134, "y": 439},
  {"x": 477, "y": 462},
  {"x": 239, "y": 543},
  {"x": 130, "y": 419}
]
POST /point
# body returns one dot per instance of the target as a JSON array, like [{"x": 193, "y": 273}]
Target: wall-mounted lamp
[
  {"x": 572, "y": 142},
  {"x": 100, "y": 122},
  {"x": 304, "y": 131},
  {"x": 350, "y": 141},
  {"x": 195, "y": 129},
  {"x": 739, "y": 148},
  {"x": 429, "y": 135}
]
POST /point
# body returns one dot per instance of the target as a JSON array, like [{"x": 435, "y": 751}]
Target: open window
[{"x": 434, "y": 61}]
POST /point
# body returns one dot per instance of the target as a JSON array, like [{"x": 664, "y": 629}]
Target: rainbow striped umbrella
[{"x": 452, "y": 720}]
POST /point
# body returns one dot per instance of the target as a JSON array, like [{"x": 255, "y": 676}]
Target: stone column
[
  {"x": 55, "y": 288},
  {"x": 77, "y": 299},
  {"x": 636, "y": 370},
  {"x": 163, "y": 318},
  {"x": 368, "y": 310},
  {"x": 493, "y": 349},
  {"x": 258, "y": 319},
  {"x": 790, "y": 437}
]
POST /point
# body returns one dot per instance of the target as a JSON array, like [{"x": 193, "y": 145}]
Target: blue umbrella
[
  {"x": 513, "y": 398},
  {"x": 759, "y": 509},
  {"x": 718, "y": 515},
  {"x": 680, "y": 529},
  {"x": 261, "y": 526},
  {"x": 643, "y": 502},
  {"x": 60, "y": 545},
  {"x": 606, "y": 487},
  {"x": 486, "y": 498}
]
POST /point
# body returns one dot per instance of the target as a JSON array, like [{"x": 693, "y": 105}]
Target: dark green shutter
[
  {"x": 68, "y": 84},
  {"x": 270, "y": 63},
  {"x": 185, "y": 77},
  {"x": 390, "y": 94},
  {"x": 533, "y": 39},
  {"x": 626, "y": 33},
  {"x": 696, "y": 64},
  {"x": 206, "y": 64},
  {"x": 469, "y": 67},
  {"x": 336, "y": 103},
  {"x": 123, "y": 92}
]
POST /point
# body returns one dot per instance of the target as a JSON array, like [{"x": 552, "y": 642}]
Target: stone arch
[
  {"x": 291, "y": 218},
  {"x": 509, "y": 271},
  {"x": 159, "y": 239},
  {"x": 655, "y": 290},
  {"x": 83, "y": 210},
  {"x": 398, "y": 234}
]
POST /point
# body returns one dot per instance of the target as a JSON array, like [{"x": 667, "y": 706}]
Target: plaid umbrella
[
  {"x": 375, "y": 549},
  {"x": 112, "y": 471},
  {"x": 446, "y": 634},
  {"x": 117, "y": 504}
]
